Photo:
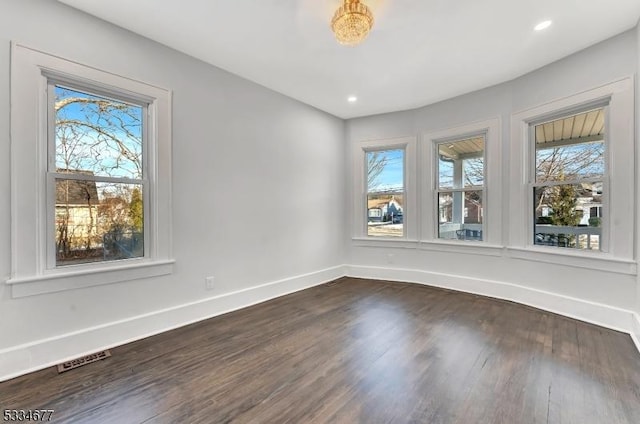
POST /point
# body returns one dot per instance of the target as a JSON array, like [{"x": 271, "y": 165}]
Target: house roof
[
  {"x": 380, "y": 203},
  {"x": 76, "y": 192}
]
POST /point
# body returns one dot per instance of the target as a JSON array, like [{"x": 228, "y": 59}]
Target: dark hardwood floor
[{"x": 356, "y": 351}]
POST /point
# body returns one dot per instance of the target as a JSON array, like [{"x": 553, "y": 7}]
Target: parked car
[{"x": 397, "y": 218}]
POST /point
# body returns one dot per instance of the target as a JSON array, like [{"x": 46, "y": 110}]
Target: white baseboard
[
  {"x": 635, "y": 330},
  {"x": 23, "y": 359},
  {"x": 595, "y": 313}
]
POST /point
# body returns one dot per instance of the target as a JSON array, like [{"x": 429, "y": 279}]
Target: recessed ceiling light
[
  {"x": 542, "y": 25},
  {"x": 352, "y": 99}
]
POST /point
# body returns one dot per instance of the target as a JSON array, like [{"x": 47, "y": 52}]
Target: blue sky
[
  {"x": 392, "y": 177},
  {"x": 89, "y": 151}
]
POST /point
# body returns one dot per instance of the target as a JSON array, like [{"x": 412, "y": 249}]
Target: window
[
  {"x": 91, "y": 172},
  {"x": 384, "y": 177},
  {"x": 569, "y": 178},
  {"x": 96, "y": 165},
  {"x": 385, "y": 193},
  {"x": 570, "y": 191},
  {"x": 460, "y": 188},
  {"x": 462, "y": 175}
]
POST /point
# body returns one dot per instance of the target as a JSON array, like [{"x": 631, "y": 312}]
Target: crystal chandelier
[{"x": 352, "y": 22}]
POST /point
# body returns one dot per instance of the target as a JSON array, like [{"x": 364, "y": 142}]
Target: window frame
[
  {"x": 360, "y": 230},
  {"x": 620, "y": 227},
  {"x": 437, "y": 189},
  {"x": 52, "y": 174},
  {"x": 532, "y": 168},
  {"x": 367, "y": 193},
  {"x": 32, "y": 75},
  {"x": 492, "y": 225}
]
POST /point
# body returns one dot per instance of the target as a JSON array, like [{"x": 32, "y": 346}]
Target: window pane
[
  {"x": 473, "y": 172},
  {"x": 385, "y": 216},
  {"x": 461, "y": 163},
  {"x": 460, "y": 215},
  {"x": 445, "y": 174},
  {"x": 385, "y": 193},
  {"x": 568, "y": 215},
  {"x": 97, "y": 221},
  {"x": 571, "y": 148},
  {"x": 97, "y": 136}
]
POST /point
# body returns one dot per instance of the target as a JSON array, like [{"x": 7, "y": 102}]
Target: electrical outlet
[
  {"x": 208, "y": 283},
  {"x": 390, "y": 258}
]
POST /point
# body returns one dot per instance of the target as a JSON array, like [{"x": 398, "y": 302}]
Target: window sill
[
  {"x": 468, "y": 247},
  {"x": 583, "y": 259},
  {"x": 74, "y": 279},
  {"x": 385, "y": 242}
]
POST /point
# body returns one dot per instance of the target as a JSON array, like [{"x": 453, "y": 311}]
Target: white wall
[
  {"x": 637, "y": 317},
  {"x": 257, "y": 179},
  {"x": 599, "y": 296}
]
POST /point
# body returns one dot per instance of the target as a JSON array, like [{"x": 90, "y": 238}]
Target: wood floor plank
[{"x": 355, "y": 351}]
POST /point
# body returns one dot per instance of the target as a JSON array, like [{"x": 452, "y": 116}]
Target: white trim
[
  {"x": 31, "y": 216},
  {"x": 462, "y": 246},
  {"x": 410, "y": 209},
  {"x": 385, "y": 242},
  {"x": 635, "y": 330},
  {"x": 492, "y": 184},
  {"x": 33, "y": 356},
  {"x": 26, "y": 358},
  {"x": 67, "y": 278},
  {"x": 576, "y": 258},
  {"x": 592, "y": 312},
  {"x": 619, "y": 225}
]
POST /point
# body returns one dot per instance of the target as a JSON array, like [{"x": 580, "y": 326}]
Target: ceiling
[{"x": 419, "y": 51}]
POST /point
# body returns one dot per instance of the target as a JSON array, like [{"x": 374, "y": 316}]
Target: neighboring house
[
  {"x": 588, "y": 204},
  {"x": 76, "y": 213},
  {"x": 472, "y": 211},
  {"x": 381, "y": 209}
]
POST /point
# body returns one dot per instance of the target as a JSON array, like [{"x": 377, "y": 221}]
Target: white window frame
[
  {"x": 619, "y": 185},
  {"x": 491, "y": 191},
  {"x": 408, "y": 144},
  {"x": 32, "y": 250},
  {"x": 54, "y": 80},
  {"x": 604, "y": 239},
  {"x": 439, "y": 190}
]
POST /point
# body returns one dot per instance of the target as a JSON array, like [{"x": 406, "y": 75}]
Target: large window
[
  {"x": 385, "y": 177},
  {"x": 568, "y": 186},
  {"x": 91, "y": 176},
  {"x": 460, "y": 182},
  {"x": 570, "y": 191},
  {"x": 97, "y": 169},
  {"x": 385, "y": 193}
]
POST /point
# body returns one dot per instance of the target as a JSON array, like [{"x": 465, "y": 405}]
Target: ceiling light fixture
[
  {"x": 352, "y": 22},
  {"x": 352, "y": 99},
  {"x": 542, "y": 25}
]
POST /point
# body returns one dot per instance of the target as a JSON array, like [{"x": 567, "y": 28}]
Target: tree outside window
[
  {"x": 569, "y": 173},
  {"x": 98, "y": 177}
]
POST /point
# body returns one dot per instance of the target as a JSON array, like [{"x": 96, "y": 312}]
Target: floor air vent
[{"x": 75, "y": 363}]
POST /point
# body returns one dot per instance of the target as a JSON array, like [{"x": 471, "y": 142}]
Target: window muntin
[
  {"x": 460, "y": 188},
  {"x": 96, "y": 170},
  {"x": 385, "y": 197},
  {"x": 569, "y": 172}
]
